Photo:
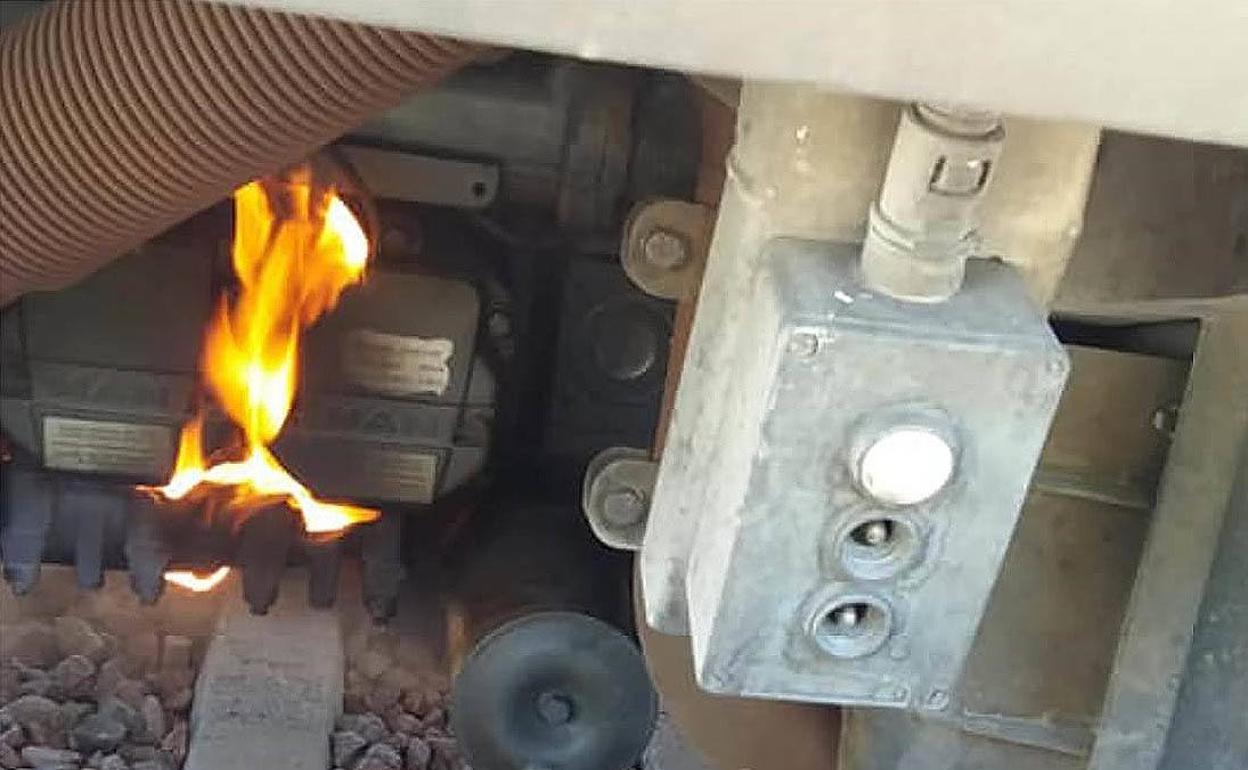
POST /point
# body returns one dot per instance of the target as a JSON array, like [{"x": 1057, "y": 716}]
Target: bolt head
[
  {"x": 665, "y": 249},
  {"x": 623, "y": 508}
]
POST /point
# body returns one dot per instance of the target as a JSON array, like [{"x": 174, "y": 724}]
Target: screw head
[
  {"x": 623, "y": 507},
  {"x": 665, "y": 249}
]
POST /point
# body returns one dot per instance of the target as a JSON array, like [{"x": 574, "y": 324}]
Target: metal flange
[{"x": 665, "y": 242}]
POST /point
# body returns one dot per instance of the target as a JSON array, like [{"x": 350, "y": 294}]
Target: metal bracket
[
  {"x": 664, "y": 244},
  {"x": 404, "y": 176},
  {"x": 1192, "y": 505}
]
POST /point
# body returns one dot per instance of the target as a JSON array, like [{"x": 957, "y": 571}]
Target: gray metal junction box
[{"x": 868, "y": 469}]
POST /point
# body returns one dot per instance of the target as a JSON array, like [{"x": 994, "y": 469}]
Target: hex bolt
[
  {"x": 624, "y": 507},
  {"x": 665, "y": 249}
]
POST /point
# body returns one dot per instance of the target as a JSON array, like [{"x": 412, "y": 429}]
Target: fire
[
  {"x": 296, "y": 248},
  {"x": 194, "y": 582}
]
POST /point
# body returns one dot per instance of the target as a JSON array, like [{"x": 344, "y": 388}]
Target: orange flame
[
  {"x": 194, "y": 582},
  {"x": 291, "y": 269}
]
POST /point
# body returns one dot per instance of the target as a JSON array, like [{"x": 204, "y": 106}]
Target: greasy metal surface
[
  {"x": 25, "y": 528},
  {"x": 1191, "y": 508},
  {"x": 880, "y": 739},
  {"x": 610, "y": 361},
  {"x": 1105, "y": 444},
  {"x": 735, "y": 733},
  {"x": 1208, "y": 728},
  {"x": 1036, "y": 676},
  {"x": 669, "y": 749},
  {"x": 1137, "y": 65},
  {"x": 1165, "y": 221},
  {"x": 1049, "y": 633},
  {"x": 718, "y": 120},
  {"x": 767, "y": 561}
]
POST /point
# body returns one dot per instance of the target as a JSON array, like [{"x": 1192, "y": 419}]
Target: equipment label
[
  {"x": 407, "y": 476},
  {"x": 397, "y": 366},
  {"x": 98, "y": 446}
]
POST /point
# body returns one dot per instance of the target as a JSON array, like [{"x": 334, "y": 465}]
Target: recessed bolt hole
[
  {"x": 628, "y": 351},
  {"x": 852, "y": 626},
  {"x": 844, "y": 619},
  {"x": 877, "y": 547}
]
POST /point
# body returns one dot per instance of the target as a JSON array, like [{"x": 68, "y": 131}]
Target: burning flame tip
[{"x": 192, "y": 581}]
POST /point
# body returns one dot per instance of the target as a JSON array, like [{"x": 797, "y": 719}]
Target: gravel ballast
[{"x": 74, "y": 696}]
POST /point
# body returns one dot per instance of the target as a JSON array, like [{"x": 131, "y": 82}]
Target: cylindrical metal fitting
[{"x": 921, "y": 230}]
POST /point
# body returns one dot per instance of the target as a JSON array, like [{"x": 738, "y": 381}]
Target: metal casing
[
  {"x": 394, "y": 404},
  {"x": 834, "y": 367}
]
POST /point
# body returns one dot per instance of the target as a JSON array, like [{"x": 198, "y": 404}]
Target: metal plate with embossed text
[
  {"x": 395, "y": 365},
  {"x": 397, "y": 475},
  {"x": 102, "y": 446}
]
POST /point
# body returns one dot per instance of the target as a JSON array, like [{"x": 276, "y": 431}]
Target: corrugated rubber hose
[{"x": 121, "y": 118}]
